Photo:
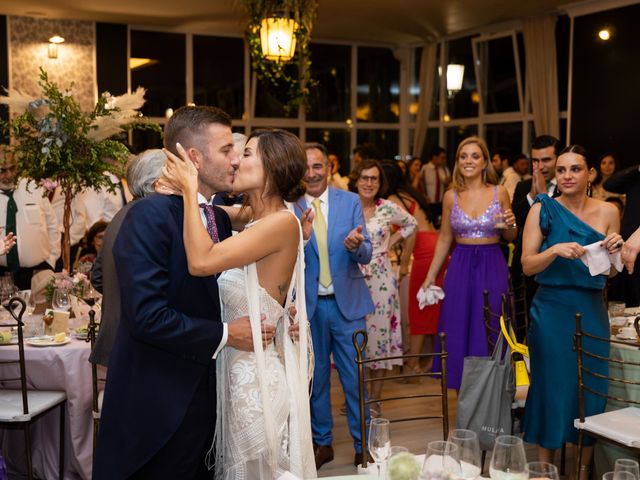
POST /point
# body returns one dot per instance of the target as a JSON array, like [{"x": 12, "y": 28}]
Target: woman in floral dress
[{"x": 387, "y": 223}]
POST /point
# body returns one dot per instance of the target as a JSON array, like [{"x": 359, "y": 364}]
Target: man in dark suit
[
  {"x": 544, "y": 153},
  {"x": 337, "y": 297},
  {"x": 627, "y": 181},
  {"x": 142, "y": 173},
  {"x": 159, "y": 407}
]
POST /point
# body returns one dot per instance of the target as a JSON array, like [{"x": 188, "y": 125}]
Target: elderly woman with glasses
[{"x": 387, "y": 223}]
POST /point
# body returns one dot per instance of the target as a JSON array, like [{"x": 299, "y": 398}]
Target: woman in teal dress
[{"x": 554, "y": 236}]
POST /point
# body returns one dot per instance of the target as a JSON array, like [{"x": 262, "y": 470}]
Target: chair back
[
  {"x": 18, "y": 305},
  {"x": 360, "y": 339},
  {"x": 615, "y": 381},
  {"x": 91, "y": 338},
  {"x": 493, "y": 318}
]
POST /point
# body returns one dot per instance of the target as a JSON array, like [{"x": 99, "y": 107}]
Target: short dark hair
[
  {"x": 514, "y": 159},
  {"x": 437, "y": 150},
  {"x": 368, "y": 150},
  {"x": 187, "y": 124},
  {"x": 284, "y": 161},
  {"x": 544, "y": 141},
  {"x": 503, "y": 153},
  {"x": 365, "y": 164}
]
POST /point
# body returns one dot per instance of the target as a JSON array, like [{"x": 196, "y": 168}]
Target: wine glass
[
  {"x": 541, "y": 471},
  {"x": 499, "y": 221},
  {"x": 468, "y": 452},
  {"x": 90, "y": 295},
  {"x": 61, "y": 300},
  {"x": 441, "y": 461},
  {"x": 379, "y": 443},
  {"x": 508, "y": 460},
  {"x": 627, "y": 465},
  {"x": 621, "y": 475}
]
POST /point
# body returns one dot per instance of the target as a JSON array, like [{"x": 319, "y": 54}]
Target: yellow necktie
[{"x": 320, "y": 229}]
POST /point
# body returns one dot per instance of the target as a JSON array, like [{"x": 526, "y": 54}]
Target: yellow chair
[{"x": 21, "y": 407}]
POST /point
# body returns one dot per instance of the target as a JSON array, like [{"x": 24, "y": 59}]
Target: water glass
[
  {"x": 441, "y": 461},
  {"x": 541, "y": 471},
  {"x": 499, "y": 221},
  {"x": 616, "y": 309},
  {"x": 379, "y": 443},
  {"x": 468, "y": 452},
  {"x": 618, "y": 476},
  {"x": 627, "y": 465},
  {"x": 508, "y": 460}
]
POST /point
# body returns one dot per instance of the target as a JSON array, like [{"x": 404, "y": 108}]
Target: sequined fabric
[{"x": 481, "y": 227}]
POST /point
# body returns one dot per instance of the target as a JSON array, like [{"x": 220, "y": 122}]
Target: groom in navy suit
[
  {"x": 159, "y": 406},
  {"x": 337, "y": 296}
]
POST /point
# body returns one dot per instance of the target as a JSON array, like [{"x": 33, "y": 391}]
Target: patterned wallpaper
[{"x": 28, "y": 50}]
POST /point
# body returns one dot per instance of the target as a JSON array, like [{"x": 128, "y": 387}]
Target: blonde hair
[{"x": 489, "y": 175}]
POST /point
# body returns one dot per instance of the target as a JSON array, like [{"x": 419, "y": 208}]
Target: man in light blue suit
[{"x": 337, "y": 297}]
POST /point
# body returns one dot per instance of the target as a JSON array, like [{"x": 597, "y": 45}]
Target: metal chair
[
  {"x": 360, "y": 339},
  {"x": 21, "y": 407},
  {"x": 592, "y": 425},
  {"x": 96, "y": 405}
]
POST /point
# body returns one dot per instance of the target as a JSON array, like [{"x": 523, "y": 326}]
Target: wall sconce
[
  {"x": 278, "y": 38},
  {"x": 455, "y": 75},
  {"x": 53, "y": 45}
]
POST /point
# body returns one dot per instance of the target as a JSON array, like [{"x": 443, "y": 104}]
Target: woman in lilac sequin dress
[{"x": 473, "y": 209}]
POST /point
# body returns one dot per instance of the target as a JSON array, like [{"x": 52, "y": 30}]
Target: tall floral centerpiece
[{"x": 56, "y": 143}]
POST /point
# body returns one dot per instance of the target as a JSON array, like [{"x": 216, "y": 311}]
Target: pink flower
[{"x": 48, "y": 184}]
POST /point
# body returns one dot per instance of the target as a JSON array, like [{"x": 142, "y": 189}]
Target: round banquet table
[{"x": 66, "y": 368}]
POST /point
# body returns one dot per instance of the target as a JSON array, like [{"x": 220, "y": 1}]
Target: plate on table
[
  {"x": 626, "y": 339},
  {"x": 46, "y": 341}
]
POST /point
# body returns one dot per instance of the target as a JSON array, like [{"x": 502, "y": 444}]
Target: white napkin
[
  {"x": 599, "y": 260},
  {"x": 288, "y": 476},
  {"x": 429, "y": 296}
]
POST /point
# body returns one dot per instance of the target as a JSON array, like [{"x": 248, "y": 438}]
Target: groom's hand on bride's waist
[{"x": 239, "y": 334}]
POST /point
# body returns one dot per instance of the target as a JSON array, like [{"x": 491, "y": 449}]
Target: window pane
[
  {"x": 331, "y": 68},
  {"x": 142, "y": 140},
  {"x": 505, "y": 136},
  {"x": 454, "y": 136},
  {"x": 270, "y": 100},
  {"x": 385, "y": 140},
  {"x": 414, "y": 93},
  {"x": 336, "y": 141},
  {"x": 212, "y": 85},
  {"x": 463, "y": 103},
  {"x": 378, "y": 85},
  {"x": 497, "y": 67},
  {"x": 164, "y": 75}
]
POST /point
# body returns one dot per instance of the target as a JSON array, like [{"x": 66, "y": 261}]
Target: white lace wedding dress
[{"x": 249, "y": 444}]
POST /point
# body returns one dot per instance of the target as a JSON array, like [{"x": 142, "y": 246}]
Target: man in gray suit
[{"x": 142, "y": 173}]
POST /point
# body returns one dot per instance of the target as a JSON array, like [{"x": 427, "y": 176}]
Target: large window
[
  {"x": 331, "y": 96},
  {"x": 378, "y": 85}
]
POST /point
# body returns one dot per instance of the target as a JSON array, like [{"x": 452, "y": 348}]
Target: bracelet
[{"x": 512, "y": 226}]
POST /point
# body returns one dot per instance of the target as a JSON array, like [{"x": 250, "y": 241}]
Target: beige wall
[{"x": 28, "y": 50}]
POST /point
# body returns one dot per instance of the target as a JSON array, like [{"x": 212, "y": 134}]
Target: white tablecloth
[{"x": 56, "y": 368}]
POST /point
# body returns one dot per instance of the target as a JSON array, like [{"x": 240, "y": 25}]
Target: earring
[{"x": 589, "y": 190}]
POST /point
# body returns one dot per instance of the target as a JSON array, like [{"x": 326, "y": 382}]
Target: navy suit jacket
[
  {"x": 169, "y": 330},
  {"x": 351, "y": 291}
]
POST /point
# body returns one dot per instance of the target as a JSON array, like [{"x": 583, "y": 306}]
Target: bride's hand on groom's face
[{"x": 179, "y": 173}]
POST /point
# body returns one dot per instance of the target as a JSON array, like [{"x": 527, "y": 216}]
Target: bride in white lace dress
[{"x": 263, "y": 277}]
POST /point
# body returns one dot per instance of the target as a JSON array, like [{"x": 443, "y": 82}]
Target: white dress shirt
[
  {"x": 79, "y": 225},
  {"x": 324, "y": 208},
  {"x": 510, "y": 179},
  {"x": 38, "y": 231},
  {"x": 551, "y": 188},
  {"x": 102, "y": 204}
]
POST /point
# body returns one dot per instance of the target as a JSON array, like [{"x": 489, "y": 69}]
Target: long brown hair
[{"x": 489, "y": 175}]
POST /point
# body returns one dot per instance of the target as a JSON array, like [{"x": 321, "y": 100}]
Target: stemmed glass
[
  {"x": 468, "y": 452},
  {"x": 379, "y": 443},
  {"x": 508, "y": 460},
  {"x": 61, "y": 300},
  {"x": 541, "y": 471},
  {"x": 627, "y": 465},
  {"x": 441, "y": 461},
  {"x": 620, "y": 475}
]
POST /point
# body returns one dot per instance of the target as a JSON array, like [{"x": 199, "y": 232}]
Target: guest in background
[
  {"x": 433, "y": 181},
  {"x": 26, "y": 211},
  {"x": 92, "y": 244},
  {"x": 500, "y": 161},
  {"x": 555, "y": 234},
  {"x": 517, "y": 172},
  {"x": 335, "y": 179},
  {"x": 413, "y": 172},
  {"x": 475, "y": 213},
  {"x": 102, "y": 205},
  {"x": 423, "y": 324},
  {"x": 627, "y": 182},
  {"x": 607, "y": 166},
  {"x": 364, "y": 151},
  {"x": 382, "y": 218},
  {"x": 403, "y": 166},
  {"x": 142, "y": 174}
]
